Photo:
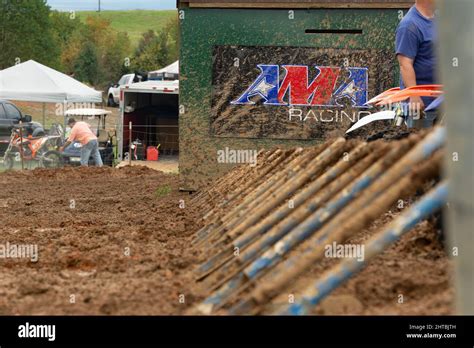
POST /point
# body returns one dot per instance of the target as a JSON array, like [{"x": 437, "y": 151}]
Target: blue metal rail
[{"x": 430, "y": 203}]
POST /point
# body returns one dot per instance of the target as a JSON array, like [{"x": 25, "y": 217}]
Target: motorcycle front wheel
[
  {"x": 51, "y": 159},
  {"x": 8, "y": 161}
]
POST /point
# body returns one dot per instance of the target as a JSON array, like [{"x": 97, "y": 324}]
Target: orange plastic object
[
  {"x": 394, "y": 95},
  {"x": 383, "y": 94},
  {"x": 152, "y": 153},
  {"x": 405, "y": 94}
]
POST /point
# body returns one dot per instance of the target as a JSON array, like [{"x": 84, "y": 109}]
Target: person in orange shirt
[{"x": 82, "y": 133}]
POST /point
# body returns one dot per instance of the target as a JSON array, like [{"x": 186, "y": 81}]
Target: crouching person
[{"x": 81, "y": 132}]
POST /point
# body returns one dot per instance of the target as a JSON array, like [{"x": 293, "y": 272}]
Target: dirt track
[{"x": 82, "y": 251}]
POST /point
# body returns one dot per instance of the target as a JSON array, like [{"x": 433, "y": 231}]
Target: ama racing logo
[{"x": 295, "y": 88}]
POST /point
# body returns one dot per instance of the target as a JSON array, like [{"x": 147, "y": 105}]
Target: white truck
[{"x": 113, "y": 94}]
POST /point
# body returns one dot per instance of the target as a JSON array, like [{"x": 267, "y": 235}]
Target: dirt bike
[
  {"x": 393, "y": 99},
  {"x": 32, "y": 148},
  {"x": 54, "y": 158}
]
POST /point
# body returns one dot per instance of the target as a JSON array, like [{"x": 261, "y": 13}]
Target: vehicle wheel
[
  {"x": 111, "y": 101},
  {"x": 38, "y": 132},
  {"x": 51, "y": 159},
  {"x": 109, "y": 159},
  {"x": 107, "y": 155},
  {"x": 8, "y": 162}
]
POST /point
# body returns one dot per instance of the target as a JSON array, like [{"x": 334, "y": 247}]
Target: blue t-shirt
[{"x": 415, "y": 38}]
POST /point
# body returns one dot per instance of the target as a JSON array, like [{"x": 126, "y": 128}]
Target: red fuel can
[{"x": 152, "y": 153}]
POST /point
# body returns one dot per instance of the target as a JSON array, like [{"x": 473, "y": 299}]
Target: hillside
[{"x": 133, "y": 22}]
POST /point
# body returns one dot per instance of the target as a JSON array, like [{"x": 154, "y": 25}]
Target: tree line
[{"x": 90, "y": 51}]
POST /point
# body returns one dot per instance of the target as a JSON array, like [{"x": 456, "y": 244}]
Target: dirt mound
[
  {"x": 382, "y": 130},
  {"x": 110, "y": 241}
]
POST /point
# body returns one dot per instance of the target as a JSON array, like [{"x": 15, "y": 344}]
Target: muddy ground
[
  {"x": 115, "y": 241},
  {"x": 120, "y": 248},
  {"x": 412, "y": 277}
]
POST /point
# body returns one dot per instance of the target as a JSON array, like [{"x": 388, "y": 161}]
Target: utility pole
[
  {"x": 99, "y": 6},
  {"x": 456, "y": 62}
]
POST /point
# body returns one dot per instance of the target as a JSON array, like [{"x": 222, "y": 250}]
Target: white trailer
[{"x": 153, "y": 109}]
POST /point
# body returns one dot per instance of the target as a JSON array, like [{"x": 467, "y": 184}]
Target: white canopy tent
[
  {"x": 32, "y": 81},
  {"x": 35, "y": 82},
  {"x": 170, "y": 71}
]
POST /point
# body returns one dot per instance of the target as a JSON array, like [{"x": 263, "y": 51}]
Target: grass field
[{"x": 135, "y": 23}]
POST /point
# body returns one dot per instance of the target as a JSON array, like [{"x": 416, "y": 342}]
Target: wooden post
[
  {"x": 456, "y": 61},
  {"x": 130, "y": 143},
  {"x": 21, "y": 145}
]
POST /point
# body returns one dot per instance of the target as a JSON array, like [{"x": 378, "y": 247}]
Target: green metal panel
[{"x": 203, "y": 29}]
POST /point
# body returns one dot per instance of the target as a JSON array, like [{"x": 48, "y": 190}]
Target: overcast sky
[{"x": 90, "y": 5}]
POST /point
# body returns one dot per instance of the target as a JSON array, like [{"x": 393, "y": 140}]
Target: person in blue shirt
[{"x": 415, "y": 38}]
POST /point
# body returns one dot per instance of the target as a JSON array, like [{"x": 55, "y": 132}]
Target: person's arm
[
  {"x": 407, "y": 70},
  {"x": 406, "y": 47},
  {"x": 66, "y": 144},
  {"x": 71, "y": 138},
  {"x": 409, "y": 80}
]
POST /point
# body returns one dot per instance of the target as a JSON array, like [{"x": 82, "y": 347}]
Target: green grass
[
  {"x": 163, "y": 191},
  {"x": 135, "y": 23}
]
